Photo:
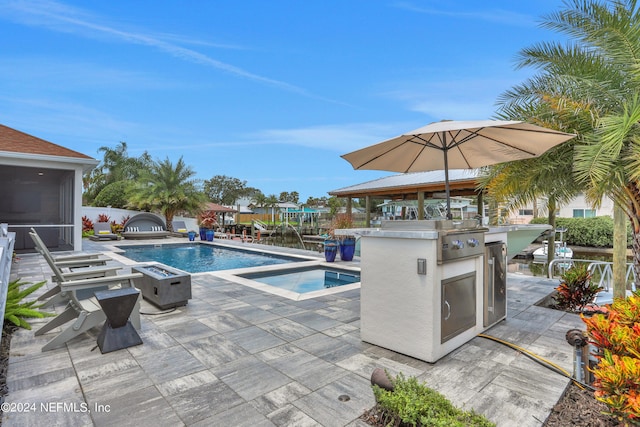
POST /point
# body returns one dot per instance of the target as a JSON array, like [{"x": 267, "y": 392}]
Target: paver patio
[{"x": 236, "y": 356}]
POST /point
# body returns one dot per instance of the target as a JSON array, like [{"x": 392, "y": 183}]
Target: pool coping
[{"x": 232, "y": 275}]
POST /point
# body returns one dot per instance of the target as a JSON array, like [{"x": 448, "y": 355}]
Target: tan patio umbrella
[{"x": 452, "y": 144}]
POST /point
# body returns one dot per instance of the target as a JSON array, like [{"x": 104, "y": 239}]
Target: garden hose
[{"x": 539, "y": 359}]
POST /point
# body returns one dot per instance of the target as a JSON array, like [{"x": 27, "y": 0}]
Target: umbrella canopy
[{"x": 457, "y": 145}]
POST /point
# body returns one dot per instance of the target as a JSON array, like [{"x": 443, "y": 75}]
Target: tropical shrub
[
  {"x": 117, "y": 227},
  {"x": 575, "y": 290},
  {"x": 412, "y": 403},
  {"x": 591, "y": 232},
  {"x": 114, "y": 195},
  {"x": 87, "y": 224},
  {"x": 104, "y": 218},
  {"x": 16, "y": 310},
  {"x": 616, "y": 334}
]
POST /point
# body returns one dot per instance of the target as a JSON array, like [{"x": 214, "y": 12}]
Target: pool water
[
  {"x": 305, "y": 280},
  {"x": 197, "y": 258}
]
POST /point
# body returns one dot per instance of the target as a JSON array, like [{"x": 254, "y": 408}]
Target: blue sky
[{"x": 269, "y": 92}]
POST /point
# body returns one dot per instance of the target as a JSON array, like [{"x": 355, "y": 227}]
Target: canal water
[{"x": 528, "y": 267}]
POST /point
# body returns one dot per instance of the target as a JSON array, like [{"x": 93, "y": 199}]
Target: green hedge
[{"x": 592, "y": 232}]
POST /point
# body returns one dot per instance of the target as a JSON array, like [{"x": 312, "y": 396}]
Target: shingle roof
[{"x": 14, "y": 141}]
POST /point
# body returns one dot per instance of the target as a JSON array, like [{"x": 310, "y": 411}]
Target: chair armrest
[
  {"x": 83, "y": 262},
  {"x": 74, "y": 257},
  {"x": 90, "y": 272},
  {"x": 120, "y": 279}
]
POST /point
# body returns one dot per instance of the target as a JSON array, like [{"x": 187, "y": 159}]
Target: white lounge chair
[
  {"x": 85, "y": 314},
  {"x": 71, "y": 261},
  {"x": 102, "y": 231},
  {"x": 63, "y": 274},
  {"x": 180, "y": 228}
]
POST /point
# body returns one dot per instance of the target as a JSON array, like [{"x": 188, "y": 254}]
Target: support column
[
  {"x": 367, "y": 204},
  {"x": 420, "y": 205}
]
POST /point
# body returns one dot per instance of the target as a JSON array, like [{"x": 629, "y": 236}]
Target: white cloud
[
  {"x": 339, "y": 138},
  {"x": 500, "y": 16},
  {"x": 62, "y": 18}
]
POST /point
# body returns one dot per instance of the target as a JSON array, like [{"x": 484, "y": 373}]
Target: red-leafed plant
[
  {"x": 117, "y": 227},
  {"x": 87, "y": 224},
  {"x": 616, "y": 334},
  {"x": 575, "y": 290},
  {"x": 104, "y": 218},
  {"x": 207, "y": 219}
]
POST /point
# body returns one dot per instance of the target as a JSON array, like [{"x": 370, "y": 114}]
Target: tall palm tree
[
  {"x": 595, "y": 72},
  {"x": 168, "y": 189},
  {"x": 272, "y": 201},
  {"x": 548, "y": 177},
  {"x": 522, "y": 183}
]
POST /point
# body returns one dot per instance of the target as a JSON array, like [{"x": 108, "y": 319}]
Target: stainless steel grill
[{"x": 456, "y": 239}]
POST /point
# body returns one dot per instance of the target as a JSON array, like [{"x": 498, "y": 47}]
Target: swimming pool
[
  {"x": 199, "y": 258},
  {"x": 303, "y": 280}
]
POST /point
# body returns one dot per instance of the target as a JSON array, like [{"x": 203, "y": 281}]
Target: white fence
[
  {"x": 118, "y": 215},
  {"x": 7, "y": 241}
]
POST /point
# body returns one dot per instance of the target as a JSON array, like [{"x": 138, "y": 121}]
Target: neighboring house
[
  {"x": 41, "y": 188},
  {"x": 277, "y": 209},
  {"x": 576, "y": 208}
]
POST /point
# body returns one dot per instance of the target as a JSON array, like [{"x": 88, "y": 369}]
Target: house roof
[
  {"x": 218, "y": 208},
  {"x": 14, "y": 141}
]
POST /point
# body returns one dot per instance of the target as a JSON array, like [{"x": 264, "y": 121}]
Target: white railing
[
  {"x": 7, "y": 241},
  {"x": 601, "y": 271},
  {"x": 259, "y": 225}
]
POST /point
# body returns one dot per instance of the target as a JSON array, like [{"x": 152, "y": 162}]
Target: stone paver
[{"x": 236, "y": 356}]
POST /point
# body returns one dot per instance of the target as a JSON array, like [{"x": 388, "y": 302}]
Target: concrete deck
[{"x": 236, "y": 356}]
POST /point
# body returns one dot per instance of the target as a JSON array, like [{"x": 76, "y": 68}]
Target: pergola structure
[
  {"x": 219, "y": 209},
  {"x": 412, "y": 186}
]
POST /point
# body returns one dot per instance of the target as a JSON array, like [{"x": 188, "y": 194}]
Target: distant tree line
[{"x": 127, "y": 182}]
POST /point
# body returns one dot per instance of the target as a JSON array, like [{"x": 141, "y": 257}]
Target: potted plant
[
  {"x": 330, "y": 248},
  {"x": 207, "y": 222},
  {"x": 347, "y": 242}
]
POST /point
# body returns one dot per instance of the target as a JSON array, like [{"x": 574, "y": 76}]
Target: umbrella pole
[{"x": 446, "y": 174}]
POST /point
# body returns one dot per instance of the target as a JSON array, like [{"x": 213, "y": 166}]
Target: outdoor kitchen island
[{"x": 423, "y": 288}]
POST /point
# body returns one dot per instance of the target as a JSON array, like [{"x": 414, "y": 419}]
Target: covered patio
[
  {"x": 42, "y": 188},
  {"x": 417, "y": 186}
]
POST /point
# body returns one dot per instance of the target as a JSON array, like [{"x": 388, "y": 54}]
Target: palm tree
[
  {"x": 272, "y": 201},
  {"x": 549, "y": 177},
  {"x": 116, "y": 167},
  {"x": 522, "y": 183},
  {"x": 168, "y": 189},
  {"x": 594, "y": 78}
]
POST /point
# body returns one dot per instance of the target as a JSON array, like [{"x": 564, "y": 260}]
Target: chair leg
[
  {"x": 68, "y": 314},
  {"x": 51, "y": 292},
  {"x": 60, "y": 298},
  {"x": 82, "y": 324}
]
